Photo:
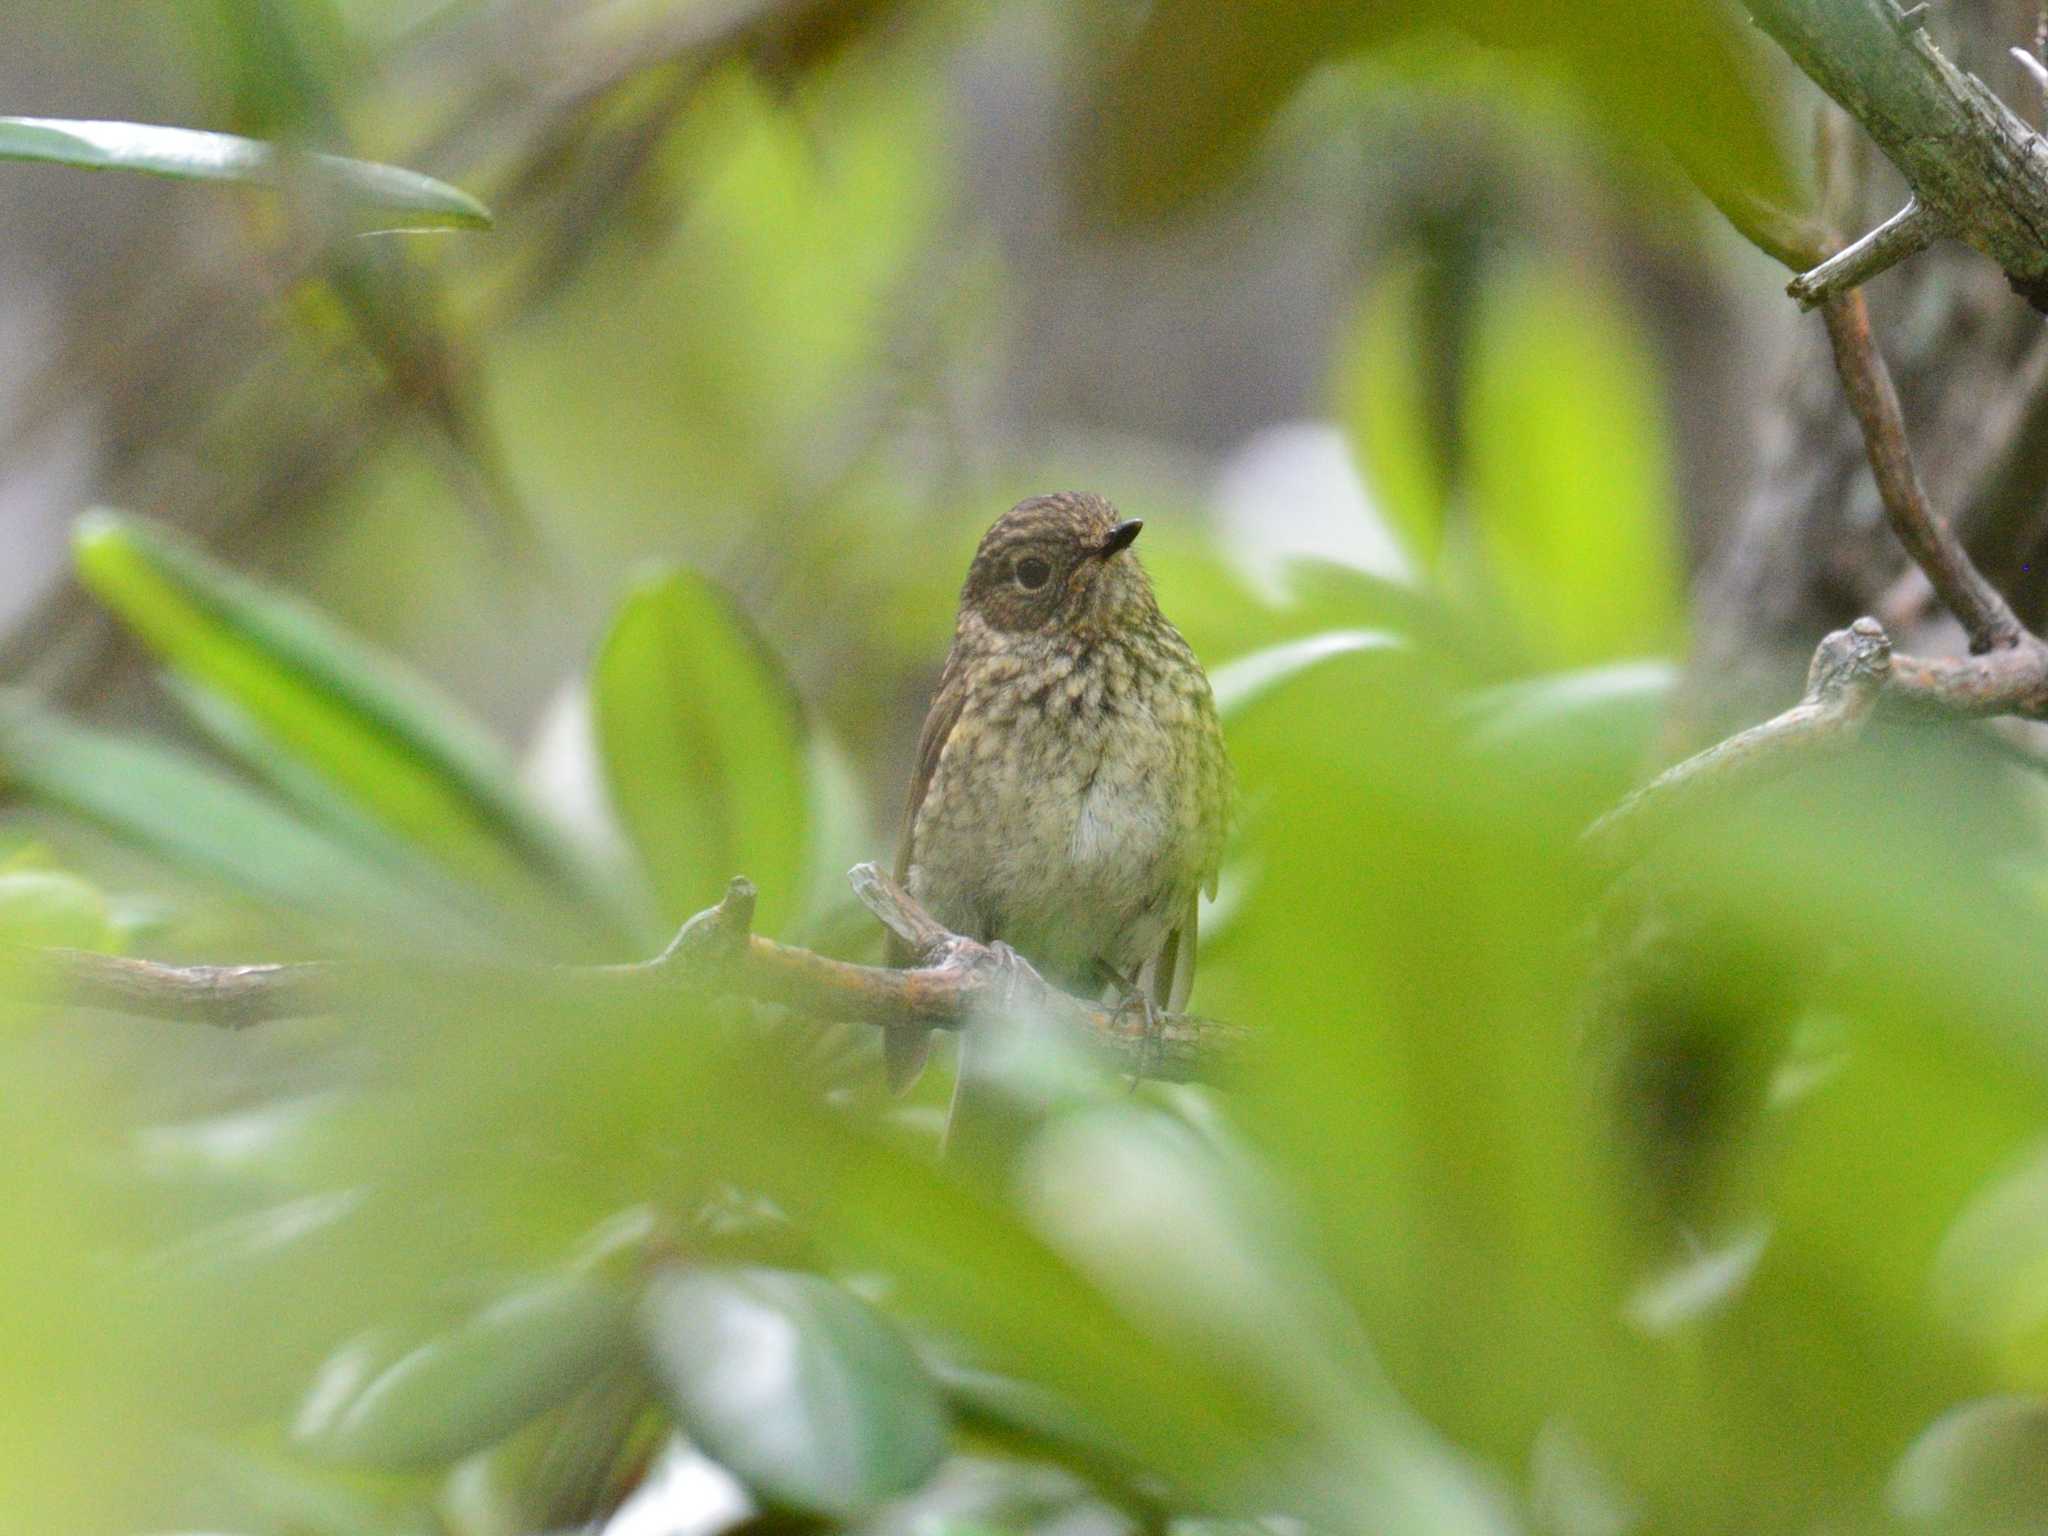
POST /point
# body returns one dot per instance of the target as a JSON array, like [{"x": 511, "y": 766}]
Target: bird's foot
[{"x": 1152, "y": 1027}]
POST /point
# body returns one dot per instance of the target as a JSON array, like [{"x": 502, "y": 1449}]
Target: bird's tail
[{"x": 904, "y": 1050}]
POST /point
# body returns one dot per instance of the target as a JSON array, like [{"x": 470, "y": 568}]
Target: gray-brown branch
[
  {"x": 2006, "y": 674},
  {"x": 715, "y": 953},
  {"x": 1978, "y": 172},
  {"x": 1849, "y": 671},
  {"x": 1985, "y": 615}
]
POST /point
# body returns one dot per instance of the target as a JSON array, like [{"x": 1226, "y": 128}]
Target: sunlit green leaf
[
  {"x": 803, "y": 1391},
  {"x": 1572, "y": 483},
  {"x": 1383, "y": 400},
  {"x": 704, "y": 748},
  {"x": 404, "y": 197}
]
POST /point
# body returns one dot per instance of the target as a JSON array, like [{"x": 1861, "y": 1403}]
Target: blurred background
[
  {"x": 854, "y": 273},
  {"x": 500, "y": 593}
]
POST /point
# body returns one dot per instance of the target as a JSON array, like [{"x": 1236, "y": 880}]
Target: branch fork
[{"x": 2006, "y": 672}]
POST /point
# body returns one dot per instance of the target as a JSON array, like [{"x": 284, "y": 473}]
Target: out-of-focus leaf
[
  {"x": 46, "y": 907},
  {"x": 1194, "y": 1247},
  {"x": 405, "y": 197},
  {"x": 1244, "y": 682},
  {"x": 1200, "y": 80},
  {"x": 795, "y": 1385},
  {"x": 1414, "y": 924},
  {"x": 325, "y": 805},
  {"x": 407, "y": 755},
  {"x": 1185, "y": 102},
  {"x": 1545, "y": 714},
  {"x": 1577, "y": 738},
  {"x": 440, "y": 1400},
  {"x": 704, "y": 748},
  {"x": 273, "y": 1493},
  {"x": 1571, "y": 474},
  {"x": 270, "y": 1151},
  {"x": 191, "y": 816},
  {"x": 1699, "y": 1285},
  {"x": 1383, "y": 400},
  {"x": 1980, "y": 1469},
  {"x": 1990, "y": 1278}
]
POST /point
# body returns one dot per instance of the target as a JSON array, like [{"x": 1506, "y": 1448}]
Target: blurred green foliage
[{"x": 474, "y": 1257}]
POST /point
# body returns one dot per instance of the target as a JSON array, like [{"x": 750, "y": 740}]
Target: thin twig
[
  {"x": 713, "y": 954},
  {"x": 1986, "y": 617},
  {"x": 1906, "y": 233}
]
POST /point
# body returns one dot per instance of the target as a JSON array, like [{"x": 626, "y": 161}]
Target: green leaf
[
  {"x": 796, "y": 1386},
  {"x": 1978, "y": 1468},
  {"x": 414, "y": 201},
  {"x": 1571, "y": 469},
  {"x": 1241, "y": 683},
  {"x": 48, "y": 907},
  {"x": 192, "y": 817},
  {"x": 468, "y": 1388},
  {"x": 1190, "y": 100},
  {"x": 385, "y": 739},
  {"x": 704, "y": 748},
  {"x": 1383, "y": 399},
  {"x": 1580, "y": 734}
]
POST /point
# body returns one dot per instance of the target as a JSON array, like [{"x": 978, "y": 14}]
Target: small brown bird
[{"x": 1071, "y": 793}]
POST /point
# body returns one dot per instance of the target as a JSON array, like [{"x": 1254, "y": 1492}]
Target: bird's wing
[
  {"x": 905, "y": 1046},
  {"x": 1173, "y": 974}
]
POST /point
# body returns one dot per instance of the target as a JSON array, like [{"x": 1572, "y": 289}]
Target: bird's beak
[{"x": 1121, "y": 537}]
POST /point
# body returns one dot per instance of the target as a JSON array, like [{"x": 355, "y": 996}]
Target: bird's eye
[{"x": 1033, "y": 573}]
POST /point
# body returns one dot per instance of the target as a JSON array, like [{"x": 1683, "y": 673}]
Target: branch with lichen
[
  {"x": 715, "y": 954},
  {"x": 1977, "y": 172}
]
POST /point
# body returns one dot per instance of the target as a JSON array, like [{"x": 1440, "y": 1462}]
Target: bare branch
[
  {"x": 224, "y": 996},
  {"x": 1849, "y": 670},
  {"x": 713, "y": 954},
  {"x": 1986, "y": 617},
  {"x": 1906, "y": 233},
  {"x": 2009, "y": 682},
  {"x": 1969, "y": 159}
]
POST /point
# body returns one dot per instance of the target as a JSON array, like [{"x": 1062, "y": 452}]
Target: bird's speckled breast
[{"x": 1070, "y": 802}]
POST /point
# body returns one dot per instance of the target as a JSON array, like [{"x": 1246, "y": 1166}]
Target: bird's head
[{"x": 1056, "y": 564}]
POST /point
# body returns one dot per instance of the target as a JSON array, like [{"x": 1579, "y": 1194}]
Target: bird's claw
[{"x": 1151, "y": 1026}]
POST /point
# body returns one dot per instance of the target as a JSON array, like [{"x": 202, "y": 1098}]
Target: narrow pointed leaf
[
  {"x": 186, "y": 813},
  {"x": 387, "y": 741},
  {"x": 1244, "y": 681},
  {"x": 185, "y": 154}
]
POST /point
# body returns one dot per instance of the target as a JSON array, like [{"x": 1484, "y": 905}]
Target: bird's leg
[{"x": 1135, "y": 996}]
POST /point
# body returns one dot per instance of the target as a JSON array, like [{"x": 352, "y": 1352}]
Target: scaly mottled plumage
[{"x": 1071, "y": 792}]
